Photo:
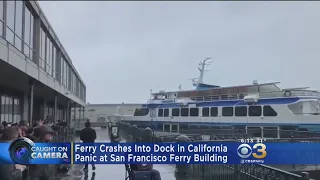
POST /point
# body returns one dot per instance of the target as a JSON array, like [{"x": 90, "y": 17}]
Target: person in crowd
[
  {"x": 155, "y": 174},
  {"x": 36, "y": 128},
  {"x": 11, "y": 171},
  {"x": 30, "y": 135},
  {"x": 23, "y": 123},
  {"x": 45, "y": 171},
  {"x": 14, "y": 125},
  {"x": 88, "y": 135},
  {"x": 22, "y": 131},
  {"x": 5, "y": 124}
]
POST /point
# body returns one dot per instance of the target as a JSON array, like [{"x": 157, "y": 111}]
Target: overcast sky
[{"x": 124, "y": 49}]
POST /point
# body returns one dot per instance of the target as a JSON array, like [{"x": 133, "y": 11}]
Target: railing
[
  {"x": 240, "y": 172},
  {"x": 64, "y": 134},
  {"x": 233, "y": 96},
  {"x": 80, "y": 124},
  {"x": 215, "y": 172}
]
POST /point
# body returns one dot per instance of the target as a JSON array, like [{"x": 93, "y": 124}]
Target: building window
[
  {"x": 62, "y": 70},
  {"x": 3, "y": 106},
  {"x": 54, "y": 59},
  {"x": 49, "y": 56},
  {"x": 227, "y": 111},
  {"x": 184, "y": 111},
  {"x": 166, "y": 112},
  {"x": 160, "y": 112},
  {"x": 240, "y": 111},
  {"x": 14, "y": 23},
  {"x": 42, "y": 59},
  {"x": 214, "y": 111},
  {"x": 16, "y": 111},
  {"x": 9, "y": 109},
  {"x": 78, "y": 87},
  {"x": 69, "y": 79},
  {"x": 18, "y": 25},
  {"x": 28, "y": 34},
  {"x": 205, "y": 112},
  {"x": 141, "y": 112},
  {"x": 10, "y": 21},
  {"x": 255, "y": 110},
  {"x": 269, "y": 111},
  {"x": 175, "y": 112},
  {"x": 1, "y": 18},
  {"x": 1, "y": 28},
  {"x": 65, "y": 72},
  {"x": 194, "y": 111}
]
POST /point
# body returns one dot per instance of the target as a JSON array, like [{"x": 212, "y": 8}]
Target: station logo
[{"x": 252, "y": 154}]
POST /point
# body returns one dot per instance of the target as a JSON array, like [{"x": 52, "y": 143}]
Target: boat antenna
[
  {"x": 150, "y": 93},
  {"x": 180, "y": 87},
  {"x": 206, "y": 61}
]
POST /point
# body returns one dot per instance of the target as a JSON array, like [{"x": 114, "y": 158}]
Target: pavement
[{"x": 114, "y": 171}]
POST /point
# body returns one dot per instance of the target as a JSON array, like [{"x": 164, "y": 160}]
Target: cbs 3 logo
[{"x": 245, "y": 151}]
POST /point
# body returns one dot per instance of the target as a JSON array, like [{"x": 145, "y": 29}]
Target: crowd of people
[{"x": 39, "y": 131}]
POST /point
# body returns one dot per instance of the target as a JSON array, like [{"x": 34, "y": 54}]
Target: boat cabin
[{"x": 235, "y": 92}]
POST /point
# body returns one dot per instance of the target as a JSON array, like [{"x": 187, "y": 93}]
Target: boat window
[
  {"x": 166, "y": 112},
  {"x": 269, "y": 111},
  {"x": 175, "y": 112},
  {"x": 166, "y": 127},
  {"x": 255, "y": 110},
  {"x": 270, "y": 132},
  {"x": 194, "y": 111},
  {"x": 160, "y": 112},
  {"x": 240, "y": 111},
  {"x": 254, "y": 131},
  {"x": 184, "y": 111},
  {"x": 205, "y": 112},
  {"x": 141, "y": 112},
  {"x": 227, "y": 111},
  {"x": 214, "y": 111},
  {"x": 174, "y": 128}
]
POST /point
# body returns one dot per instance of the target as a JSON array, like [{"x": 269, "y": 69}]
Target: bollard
[
  {"x": 182, "y": 170},
  {"x": 305, "y": 176}
]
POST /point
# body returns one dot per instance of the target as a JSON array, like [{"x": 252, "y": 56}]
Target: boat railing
[{"x": 275, "y": 94}]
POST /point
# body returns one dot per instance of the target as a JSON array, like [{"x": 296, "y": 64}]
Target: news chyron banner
[{"x": 24, "y": 151}]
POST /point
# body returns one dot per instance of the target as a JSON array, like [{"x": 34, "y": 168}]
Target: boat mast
[{"x": 202, "y": 65}]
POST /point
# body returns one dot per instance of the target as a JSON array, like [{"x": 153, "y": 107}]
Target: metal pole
[
  {"x": 83, "y": 112},
  {"x": 55, "y": 108},
  {"x": 74, "y": 115}
]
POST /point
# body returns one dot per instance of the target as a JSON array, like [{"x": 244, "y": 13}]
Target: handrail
[{"x": 233, "y": 96}]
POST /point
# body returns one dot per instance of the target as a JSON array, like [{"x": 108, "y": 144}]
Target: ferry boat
[{"x": 253, "y": 107}]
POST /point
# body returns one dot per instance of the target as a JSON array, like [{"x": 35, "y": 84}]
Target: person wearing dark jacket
[
  {"x": 88, "y": 135},
  {"x": 30, "y": 135},
  {"x": 11, "y": 171},
  {"x": 43, "y": 171}
]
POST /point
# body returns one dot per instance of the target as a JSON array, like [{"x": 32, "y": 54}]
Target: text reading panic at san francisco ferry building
[{"x": 37, "y": 77}]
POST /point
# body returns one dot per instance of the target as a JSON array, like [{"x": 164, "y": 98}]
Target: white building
[{"x": 100, "y": 112}]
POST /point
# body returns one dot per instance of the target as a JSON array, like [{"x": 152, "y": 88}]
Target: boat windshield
[{"x": 305, "y": 108}]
